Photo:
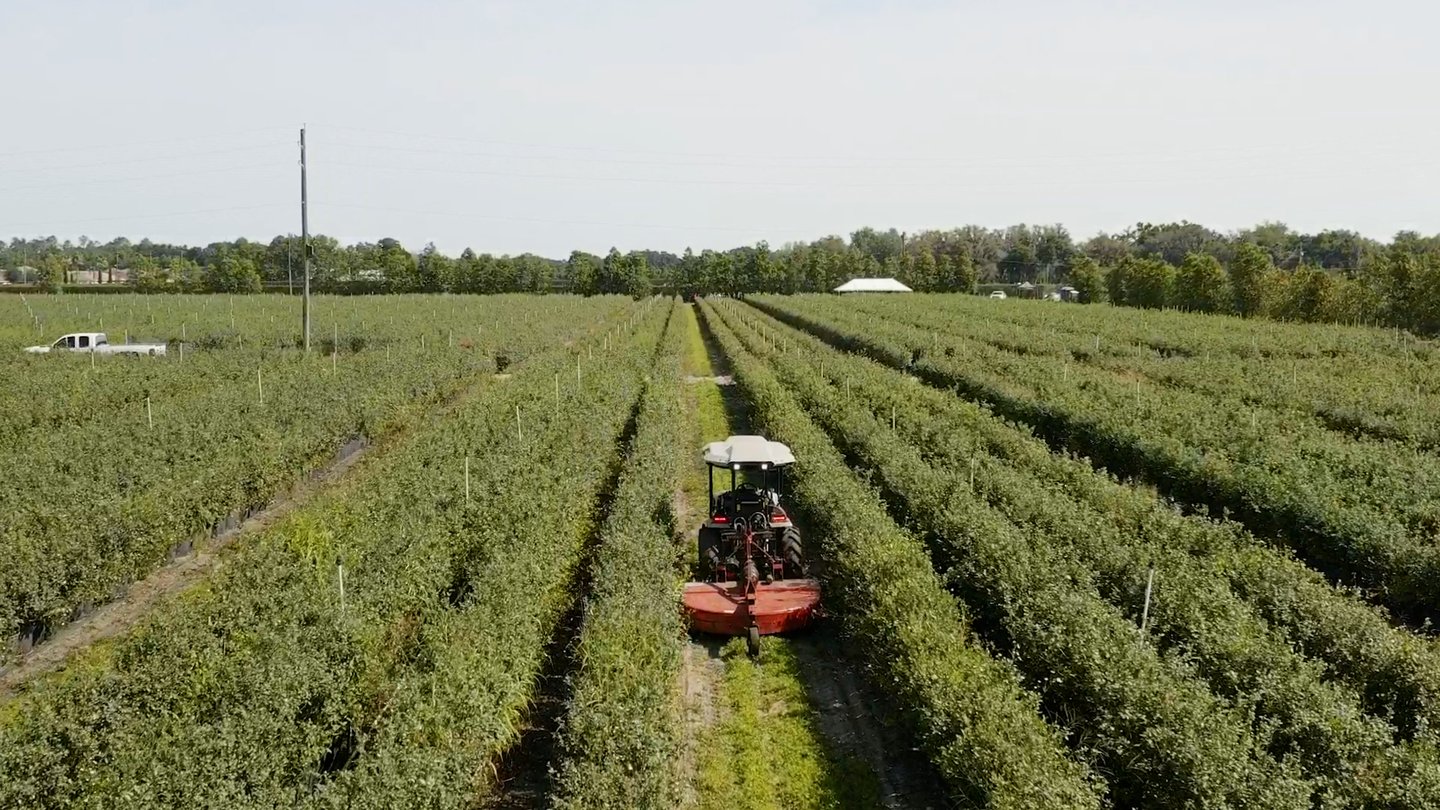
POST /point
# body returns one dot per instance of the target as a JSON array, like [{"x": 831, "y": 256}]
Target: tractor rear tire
[
  {"x": 793, "y": 553},
  {"x": 709, "y": 557}
]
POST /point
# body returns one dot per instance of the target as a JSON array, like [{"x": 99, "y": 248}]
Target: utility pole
[{"x": 305, "y": 242}]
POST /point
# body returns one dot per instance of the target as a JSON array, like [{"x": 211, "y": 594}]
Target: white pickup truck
[{"x": 97, "y": 342}]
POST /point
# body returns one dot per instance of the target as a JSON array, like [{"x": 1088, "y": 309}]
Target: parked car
[
  {"x": 999, "y": 295},
  {"x": 98, "y": 343}
]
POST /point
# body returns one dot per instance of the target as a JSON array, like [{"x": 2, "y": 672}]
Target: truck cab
[{"x": 81, "y": 340}]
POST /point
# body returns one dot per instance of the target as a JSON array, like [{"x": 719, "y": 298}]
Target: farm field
[{"x": 1072, "y": 556}]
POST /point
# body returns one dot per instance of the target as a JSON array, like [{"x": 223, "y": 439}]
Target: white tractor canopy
[{"x": 748, "y": 451}]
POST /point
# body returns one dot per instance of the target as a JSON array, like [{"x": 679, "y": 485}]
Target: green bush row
[
  {"x": 1363, "y": 512},
  {"x": 99, "y": 500},
  {"x": 263, "y": 687},
  {"x": 1195, "y": 616},
  {"x": 1157, "y": 732},
  {"x": 621, "y": 731}
]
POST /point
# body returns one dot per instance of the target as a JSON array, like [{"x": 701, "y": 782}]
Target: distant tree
[
  {"x": 1117, "y": 281},
  {"x": 1107, "y": 249},
  {"x": 1022, "y": 258},
  {"x": 878, "y": 245},
  {"x": 637, "y": 275},
  {"x": 1249, "y": 270},
  {"x": 232, "y": 274},
  {"x": 1173, "y": 241},
  {"x": 956, "y": 274},
  {"x": 924, "y": 272},
  {"x": 1087, "y": 279},
  {"x": 612, "y": 272},
  {"x": 1276, "y": 239},
  {"x": 147, "y": 275},
  {"x": 434, "y": 270},
  {"x": 1149, "y": 283},
  {"x": 1201, "y": 285},
  {"x": 584, "y": 272},
  {"x": 53, "y": 269}
]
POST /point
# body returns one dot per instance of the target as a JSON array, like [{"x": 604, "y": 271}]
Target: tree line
[{"x": 1269, "y": 270}]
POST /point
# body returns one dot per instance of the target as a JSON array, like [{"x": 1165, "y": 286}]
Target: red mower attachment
[{"x": 724, "y": 609}]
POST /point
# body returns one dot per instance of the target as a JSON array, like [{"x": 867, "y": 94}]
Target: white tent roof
[
  {"x": 748, "y": 450},
  {"x": 872, "y": 285}
]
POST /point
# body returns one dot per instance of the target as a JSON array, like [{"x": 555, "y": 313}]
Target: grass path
[{"x": 755, "y": 730}]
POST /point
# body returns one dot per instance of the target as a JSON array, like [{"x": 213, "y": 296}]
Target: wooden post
[{"x": 340, "y": 572}]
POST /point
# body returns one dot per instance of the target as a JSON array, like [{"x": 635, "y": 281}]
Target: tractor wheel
[
  {"x": 793, "y": 554},
  {"x": 752, "y": 642},
  {"x": 709, "y": 558}
]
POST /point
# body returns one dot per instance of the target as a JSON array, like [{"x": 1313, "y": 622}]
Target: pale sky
[{"x": 546, "y": 126}]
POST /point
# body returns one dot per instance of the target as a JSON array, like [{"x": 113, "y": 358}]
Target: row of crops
[
  {"x": 1363, "y": 382},
  {"x": 1246, "y": 681},
  {"x": 1364, "y": 510},
  {"x": 382, "y": 642},
  {"x": 112, "y": 463},
  {"x": 622, "y": 728}
]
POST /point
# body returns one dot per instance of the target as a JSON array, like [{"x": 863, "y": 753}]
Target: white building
[{"x": 872, "y": 285}]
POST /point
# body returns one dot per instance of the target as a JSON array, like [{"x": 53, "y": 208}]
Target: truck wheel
[{"x": 793, "y": 554}]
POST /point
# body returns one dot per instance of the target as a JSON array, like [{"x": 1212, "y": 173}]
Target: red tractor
[{"x": 755, "y": 580}]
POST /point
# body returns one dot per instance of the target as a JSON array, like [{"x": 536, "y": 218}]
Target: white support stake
[
  {"x": 340, "y": 571},
  {"x": 467, "y": 479},
  {"x": 519, "y": 434},
  {"x": 260, "y": 387},
  {"x": 1149, "y": 588},
  {"x": 149, "y": 418},
  {"x": 973, "y": 463}
]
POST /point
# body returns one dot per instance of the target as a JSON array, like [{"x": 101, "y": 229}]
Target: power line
[
  {"x": 956, "y": 185},
  {"x": 995, "y": 162},
  {"x": 133, "y": 144},
  {"x": 154, "y": 159},
  {"x": 536, "y": 220},
  {"x": 141, "y": 178},
  {"x": 166, "y": 215},
  {"x": 1128, "y": 154}
]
